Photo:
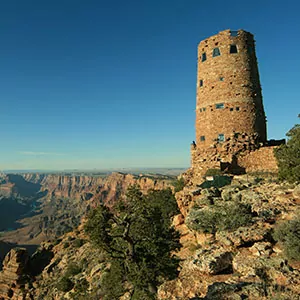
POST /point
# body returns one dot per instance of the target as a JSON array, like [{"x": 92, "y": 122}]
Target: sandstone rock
[
  {"x": 251, "y": 266},
  {"x": 296, "y": 192},
  {"x": 245, "y": 235},
  {"x": 184, "y": 201},
  {"x": 212, "y": 261},
  {"x": 178, "y": 220},
  {"x": 15, "y": 274},
  {"x": 234, "y": 291},
  {"x": 261, "y": 248}
]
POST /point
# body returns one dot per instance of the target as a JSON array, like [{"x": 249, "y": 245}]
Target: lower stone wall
[
  {"x": 235, "y": 158},
  {"x": 260, "y": 160}
]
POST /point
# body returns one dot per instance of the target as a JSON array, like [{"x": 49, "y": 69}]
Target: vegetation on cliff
[
  {"x": 288, "y": 156},
  {"x": 223, "y": 216},
  {"x": 138, "y": 238},
  {"x": 288, "y": 234}
]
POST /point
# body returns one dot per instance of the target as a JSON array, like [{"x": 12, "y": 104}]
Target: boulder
[
  {"x": 212, "y": 261},
  {"x": 296, "y": 192}
]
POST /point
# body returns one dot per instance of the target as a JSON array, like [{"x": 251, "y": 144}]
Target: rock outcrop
[
  {"x": 244, "y": 263},
  {"x": 15, "y": 275}
]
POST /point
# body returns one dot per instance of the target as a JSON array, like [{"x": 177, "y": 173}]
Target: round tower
[{"x": 229, "y": 98}]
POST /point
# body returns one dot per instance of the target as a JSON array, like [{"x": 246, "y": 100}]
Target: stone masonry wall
[
  {"x": 261, "y": 160},
  {"x": 239, "y": 153},
  {"x": 229, "y": 95}
]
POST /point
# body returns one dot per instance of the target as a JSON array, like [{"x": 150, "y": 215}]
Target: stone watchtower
[
  {"x": 230, "y": 117},
  {"x": 229, "y": 95}
]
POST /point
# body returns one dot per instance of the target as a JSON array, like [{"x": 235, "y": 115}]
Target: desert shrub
[
  {"x": 288, "y": 156},
  {"x": 288, "y": 234},
  {"x": 78, "y": 243},
  {"x": 178, "y": 184},
  {"x": 65, "y": 284},
  {"x": 228, "y": 216},
  {"x": 81, "y": 290},
  {"x": 72, "y": 270}
]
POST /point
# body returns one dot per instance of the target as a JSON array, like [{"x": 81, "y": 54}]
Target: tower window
[
  {"x": 233, "y": 49},
  {"x": 234, "y": 33},
  {"x": 221, "y": 78},
  {"x": 202, "y": 138},
  {"x": 221, "y": 137},
  {"x": 237, "y": 108},
  {"x": 219, "y": 105},
  {"x": 201, "y": 82},
  {"x": 231, "y": 108},
  {"x": 204, "y": 109},
  {"x": 203, "y": 57},
  {"x": 216, "y": 52}
]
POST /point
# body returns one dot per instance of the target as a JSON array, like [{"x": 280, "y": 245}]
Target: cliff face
[
  {"x": 47, "y": 206},
  {"x": 86, "y": 187}
]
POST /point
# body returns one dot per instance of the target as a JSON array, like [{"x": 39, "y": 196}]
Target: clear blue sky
[{"x": 108, "y": 84}]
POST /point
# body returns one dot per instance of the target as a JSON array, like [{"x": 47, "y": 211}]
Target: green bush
[
  {"x": 78, "y": 243},
  {"x": 228, "y": 216},
  {"x": 72, "y": 270},
  {"x": 178, "y": 185},
  {"x": 288, "y": 234},
  {"x": 288, "y": 156},
  {"x": 65, "y": 284}
]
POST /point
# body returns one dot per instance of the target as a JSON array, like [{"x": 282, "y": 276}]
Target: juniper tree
[
  {"x": 288, "y": 156},
  {"x": 139, "y": 241}
]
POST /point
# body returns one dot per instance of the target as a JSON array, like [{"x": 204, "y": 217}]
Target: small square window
[
  {"x": 231, "y": 108},
  {"x": 221, "y": 137},
  {"x": 234, "y": 33},
  {"x": 200, "y": 109},
  {"x": 233, "y": 49},
  {"x": 221, "y": 78},
  {"x": 203, "y": 57},
  {"x": 219, "y": 105},
  {"x": 204, "y": 108},
  {"x": 201, "y": 82},
  {"x": 216, "y": 52},
  {"x": 237, "y": 108},
  {"x": 202, "y": 138}
]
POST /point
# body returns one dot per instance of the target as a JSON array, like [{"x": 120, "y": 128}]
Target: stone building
[{"x": 230, "y": 117}]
